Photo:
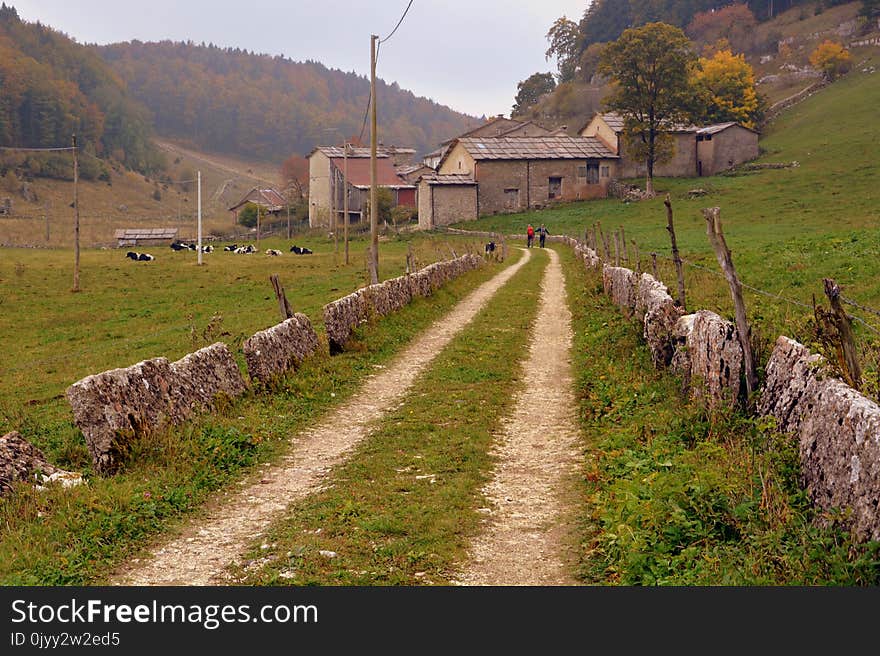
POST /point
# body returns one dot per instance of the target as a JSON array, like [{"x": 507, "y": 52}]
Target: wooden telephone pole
[
  {"x": 75, "y": 219},
  {"x": 345, "y": 195},
  {"x": 374, "y": 214}
]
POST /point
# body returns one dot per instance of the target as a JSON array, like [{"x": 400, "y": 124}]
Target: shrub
[{"x": 832, "y": 59}]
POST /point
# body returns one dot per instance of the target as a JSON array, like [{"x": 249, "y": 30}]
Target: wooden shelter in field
[
  {"x": 270, "y": 201},
  {"x": 144, "y": 236}
]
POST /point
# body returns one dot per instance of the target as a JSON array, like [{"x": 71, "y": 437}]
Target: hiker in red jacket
[{"x": 530, "y": 235}]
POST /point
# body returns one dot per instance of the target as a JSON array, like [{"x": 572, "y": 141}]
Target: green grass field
[{"x": 129, "y": 311}]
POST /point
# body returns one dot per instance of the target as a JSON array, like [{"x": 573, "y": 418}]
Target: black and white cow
[
  {"x": 140, "y": 257},
  {"x": 272, "y": 251},
  {"x": 300, "y": 250}
]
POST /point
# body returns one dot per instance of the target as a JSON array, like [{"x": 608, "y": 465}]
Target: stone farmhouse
[
  {"x": 497, "y": 126},
  {"x": 697, "y": 151},
  {"x": 478, "y": 176},
  {"x": 334, "y": 173}
]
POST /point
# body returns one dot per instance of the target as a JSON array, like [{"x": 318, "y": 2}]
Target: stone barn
[
  {"x": 446, "y": 199},
  {"x": 517, "y": 173}
]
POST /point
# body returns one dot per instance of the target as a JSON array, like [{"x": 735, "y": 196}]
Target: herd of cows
[{"x": 178, "y": 245}]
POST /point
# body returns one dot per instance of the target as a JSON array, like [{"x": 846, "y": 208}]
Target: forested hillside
[
  {"x": 52, "y": 88},
  {"x": 233, "y": 101}
]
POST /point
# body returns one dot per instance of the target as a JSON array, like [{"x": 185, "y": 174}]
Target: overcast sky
[{"x": 467, "y": 54}]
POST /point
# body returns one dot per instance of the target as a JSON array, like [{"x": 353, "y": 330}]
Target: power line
[
  {"x": 37, "y": 150},
  {"x": 381, "y": 41}
]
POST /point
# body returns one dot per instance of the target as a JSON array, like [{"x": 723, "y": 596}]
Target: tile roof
[
  {"x": 546, "y": 147},
  {"x": 448, "y": 179},
  {"x": 353, "y": 153},
  {"x": 715, "y": 129},
  {"x": 616, "y": 122},
  {"x": 358, "y": 172}
]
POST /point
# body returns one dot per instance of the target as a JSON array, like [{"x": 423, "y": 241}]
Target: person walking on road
[
  {"x": 530, "y": 235},
  {"x": 542, "y": 234}
]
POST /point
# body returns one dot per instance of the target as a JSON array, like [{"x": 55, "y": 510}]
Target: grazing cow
[
  {"x": 208, "y": 249},
  {"x": 231, "y": 247},
  {"x": 272, "y": 251},
  {"x": 490, "y": 247},
  {"x": 178, "y": 245},
  {"x": 140, "y": 257},
  {"x": 300, "y": 250},
  {"x": 250, "y": 248}
]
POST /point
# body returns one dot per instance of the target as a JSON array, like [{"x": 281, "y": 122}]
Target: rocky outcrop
[
  {"x": 21, "y": 461},
  {"x": 273, "y": 352},
  {"x": 838, "y": 433},
  {"x": 708, "y": 355}
]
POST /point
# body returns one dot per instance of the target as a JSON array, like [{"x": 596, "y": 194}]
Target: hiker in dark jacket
[{"x": 542, "y": 234}]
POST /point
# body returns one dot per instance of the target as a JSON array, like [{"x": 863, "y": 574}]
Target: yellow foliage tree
[
  {"x": 832, "y": 59},
  {"x": 725, "y": 85}
]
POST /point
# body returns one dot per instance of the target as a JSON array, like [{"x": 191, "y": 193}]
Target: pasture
[
  {"x": 129, "y": 311},
  {"x": 787, "y": 228}
]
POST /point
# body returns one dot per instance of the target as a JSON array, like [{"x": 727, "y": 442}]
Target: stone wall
[
  {"x": 113, "y": 407},
  {"x": 271, "y": 353},
  {"x": 343, "y": 316},
  {"x": 838, "y": 433},
  {"x": 21, "y": 461},
  {"x": 837, "y": 428}
]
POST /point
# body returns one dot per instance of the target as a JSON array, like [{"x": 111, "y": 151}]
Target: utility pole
[
  {"x": 374, "y": 214},
  {"x": 75, "y": 219},
  {"x": 345, "y": 195},
  {"x": 199, "y": 184},
  {"x": 258, "y": 225},
  {"x": 288, "y": 212}
]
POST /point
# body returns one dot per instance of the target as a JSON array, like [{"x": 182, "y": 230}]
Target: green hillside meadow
[{"x": 787, "y": 228}]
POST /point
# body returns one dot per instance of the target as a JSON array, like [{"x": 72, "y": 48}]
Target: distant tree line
[
  {"x": 234, "y": 101},
  {"x": 53, "y": 88}
]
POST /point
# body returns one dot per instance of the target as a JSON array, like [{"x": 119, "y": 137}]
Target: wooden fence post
[
  {"x": 844, "y": 329},
  {"x": 722, "y": 254},
  {"x": 283, "y": 305},
  {"x": 616, "y": 249},
  {"x": 654, "y": 265},
  {"x": 624, "y": 249},
  {"x": 675, "y": 256},
  {"x": 636, "y": 256}
]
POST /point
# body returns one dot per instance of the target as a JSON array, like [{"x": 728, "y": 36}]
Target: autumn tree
[
  {"x": 725, "y": 89},
  {"x": 588, "y": 63},
  {"x": 530, "y": 90},
  {"x": 832, "y": 59},
  {"x": 295, "y": 175},
  {"x": 734, "y": 24},
  {"x": 649, "y": 68},
  {"x": 564, "y": 38}
]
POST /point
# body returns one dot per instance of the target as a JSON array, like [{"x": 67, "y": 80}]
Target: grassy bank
[
  {"x": 401, "y": 510},
  {"x": 673, "y": 496},
  {"x": 73, "y": 537}
]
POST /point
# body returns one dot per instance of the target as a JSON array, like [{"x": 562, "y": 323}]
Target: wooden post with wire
[
  {"x": 345, "y": 195},
  {"x": 75, "y": 219},
  {"x": 847, "y": 343},
  {"x": 725, "y": 260},
  {"x": 679, "y": 271},
  {"x": 283, "y": 305}
]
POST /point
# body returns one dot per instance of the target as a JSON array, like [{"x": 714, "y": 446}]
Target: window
[
  {"x": 554, "y": 188},
  {"x": 511, "y": 199},
  {"x": 592, "y": 172},
  {"x": 582, "y": 173},
  {"x": 605, "y": 171}
]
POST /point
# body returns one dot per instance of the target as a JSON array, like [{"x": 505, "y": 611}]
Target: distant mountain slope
[
  {"x": 52, "y": 87},
  {"x": 232, "y": 101}
]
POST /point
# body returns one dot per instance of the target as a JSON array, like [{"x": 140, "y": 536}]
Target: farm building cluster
[{"x": 506, "y": 165}]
